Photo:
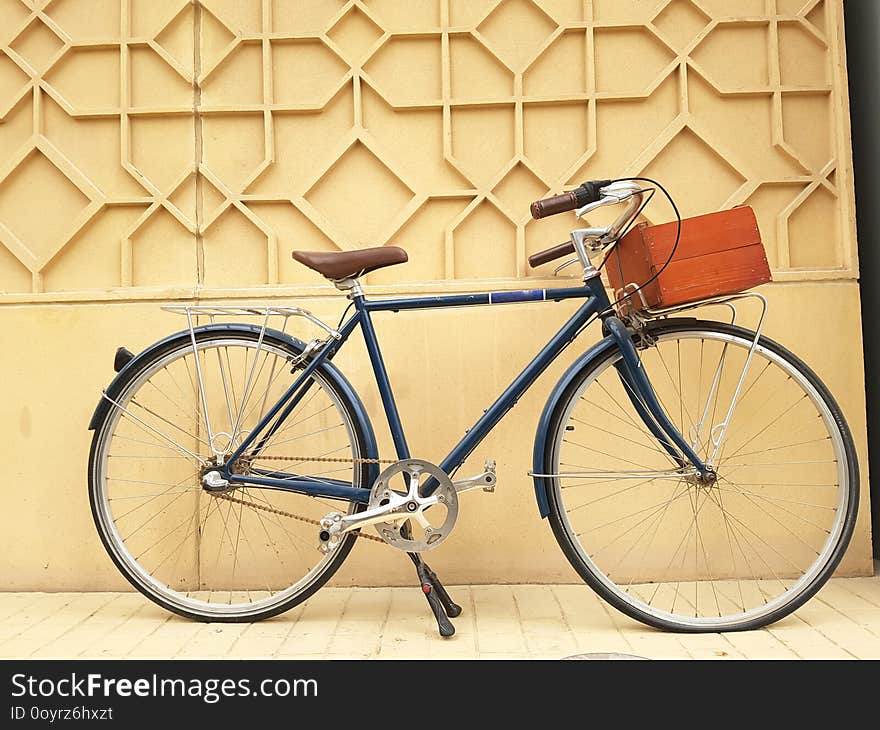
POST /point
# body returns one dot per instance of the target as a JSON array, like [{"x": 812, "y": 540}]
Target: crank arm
[
  {"x": 486, "y": 480},
  {"x": 396, "y": 511}
]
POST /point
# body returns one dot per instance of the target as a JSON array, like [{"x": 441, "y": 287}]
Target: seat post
[{"x": 350, "y": 285}]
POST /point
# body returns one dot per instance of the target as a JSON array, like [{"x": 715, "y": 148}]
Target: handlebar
[
  {"x": 585, "y": 198},
  {"x": 582, "y": 195},
  {"x": 557, "y": 252}
]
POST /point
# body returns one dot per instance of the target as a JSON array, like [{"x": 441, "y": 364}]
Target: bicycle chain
[
  {"x": 307, "y": 459},
  {"x": 300, "y": 518}
]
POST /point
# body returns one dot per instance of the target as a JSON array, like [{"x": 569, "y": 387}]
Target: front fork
[{"x": 641, "y": 394}]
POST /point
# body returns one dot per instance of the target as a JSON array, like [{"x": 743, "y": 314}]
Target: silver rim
[
  {"x": 704, "y": 557},
  {"x": 225, "y": 559}
]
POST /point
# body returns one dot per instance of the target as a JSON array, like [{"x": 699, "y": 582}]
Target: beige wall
[{"x": 159, "y": 150}]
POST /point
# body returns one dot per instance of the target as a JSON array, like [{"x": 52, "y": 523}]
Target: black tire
[
  {"x": 182, "y": 342},
  {"x": 598, "y": 584}
]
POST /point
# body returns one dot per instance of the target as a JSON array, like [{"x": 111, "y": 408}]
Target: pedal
[{"x": 486, "y": 480}]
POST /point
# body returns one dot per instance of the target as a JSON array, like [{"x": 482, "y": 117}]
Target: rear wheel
[
  {"x": 238, "y": 555},
  {"x": 668, "y": 549}
]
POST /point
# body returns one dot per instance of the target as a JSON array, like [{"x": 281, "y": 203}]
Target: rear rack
[
  {"x": 266, "y": 312},
  {"x": 250, "y": 311}
]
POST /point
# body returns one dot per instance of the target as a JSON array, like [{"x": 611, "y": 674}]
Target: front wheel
[{"x": 672, "y": 550}]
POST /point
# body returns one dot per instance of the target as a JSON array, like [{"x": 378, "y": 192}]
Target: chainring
[{"x": 418, "y": 533}]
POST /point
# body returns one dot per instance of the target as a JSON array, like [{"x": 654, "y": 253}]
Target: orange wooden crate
[{"x": 718, "y": 253}]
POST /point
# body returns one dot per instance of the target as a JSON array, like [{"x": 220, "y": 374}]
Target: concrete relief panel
[{"x": 148, "y": 146}]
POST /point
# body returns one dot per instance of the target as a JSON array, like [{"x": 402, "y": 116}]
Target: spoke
[
  {"x": 183, "y": 395},
  {"x": 290, "y": 534},
  {"x": 741, "y": 400},
  {"x": 681, "y": 399},
  {"x": 176, "y": 550},
  {"x": 747, "y": 528},
  {"x": 780, "y": 448},
  {"x": 760, "y": 555},
  {"x": 246, "y": 393},
  {"x": 153, "y": 444},
  {"x": 269, "y": 382},
  {"x": 148, "y": 521},
  {"x": 613, "y": 494},
  {"x": 289, "y": 426},
  {"x": 150, "y": 430},
  {"x": 242, "y": 533},
  {"x": 225, "y": 386},
  {"x": 656, "y": 531},
  {"x": 733, "y": 570},
  {"x": 640, "y": 427},
  {"x": 677, "y": 390},
  {"x": 621, "y": 437},
  {"x": 647, "y": 529},
  {"x": 164, "y": 537},
  {"x": 271, "y": 441},
  {"x": 655, "y": 507},
  {"x": 602, "y": 453},
  {"x": 273, "y": 379},
  {"x": 125, "y": 514},
  {"x": 149, "y": 481},
  {"x": 306, "y": 435},
  {"x": 235, "y": 549},
  {"x": 665, "y": 438},
  {"x": 142, "y": 456},
  {"x": 158, "y": 494},
  {"x": 165, "y": 420},
  {"x": 783, "y": 484},
  {"x": 231, "y": 379},
  {"x": 177, "y": 406},
  {"x": 709, "y": 572},
  {"x": 774, "y": 499},
  {"x": 793, "y": 514},
  {"x": 782, "y": 463},
  {"x": 696, "y": 512},
  {"x": 225, "y": 519},
  {"x": 775, "y": 420},
  {"x": 716, "y": 386},
  {"x": 271, "y": 515}
]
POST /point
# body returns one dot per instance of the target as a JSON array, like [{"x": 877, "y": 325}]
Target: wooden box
[{"x": 719, "y": 253}]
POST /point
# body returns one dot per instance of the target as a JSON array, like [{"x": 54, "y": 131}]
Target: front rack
[{"x": 642, "y": 316}]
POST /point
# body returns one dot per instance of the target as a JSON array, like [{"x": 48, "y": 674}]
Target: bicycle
[{"x": 718, "y": 495}]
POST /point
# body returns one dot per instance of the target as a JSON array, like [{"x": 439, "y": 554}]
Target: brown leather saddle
[{"x": 338, "y": 265}]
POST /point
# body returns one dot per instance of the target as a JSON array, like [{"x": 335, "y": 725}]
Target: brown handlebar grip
[
  {"x": 542, "y": 257},
  {"x": 554, "y": 205}
]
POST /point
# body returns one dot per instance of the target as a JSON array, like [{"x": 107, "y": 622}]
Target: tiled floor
[{"x": 520, "y": 621}]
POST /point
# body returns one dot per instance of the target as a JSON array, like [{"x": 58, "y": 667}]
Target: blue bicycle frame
[{"x": 596, "y": 303}]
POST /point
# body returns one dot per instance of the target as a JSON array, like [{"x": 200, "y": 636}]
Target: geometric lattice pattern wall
[{"x": 164, "y": 143}]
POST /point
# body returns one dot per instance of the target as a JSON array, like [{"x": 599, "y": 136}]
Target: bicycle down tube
[{"x": 596, "y": 302}]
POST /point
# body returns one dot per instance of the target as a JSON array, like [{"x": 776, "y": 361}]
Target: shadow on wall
[{"x": 863, "y": 62}]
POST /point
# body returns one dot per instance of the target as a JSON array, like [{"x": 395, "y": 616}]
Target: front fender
[
  {"x": 542, "y": 435},
  {"x": 330, "y": 371}
]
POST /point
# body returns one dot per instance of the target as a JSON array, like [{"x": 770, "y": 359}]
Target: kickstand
[{"x": 442, "y": 606}]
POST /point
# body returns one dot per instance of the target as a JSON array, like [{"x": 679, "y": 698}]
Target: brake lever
[{"x": 564, "y": 264}]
